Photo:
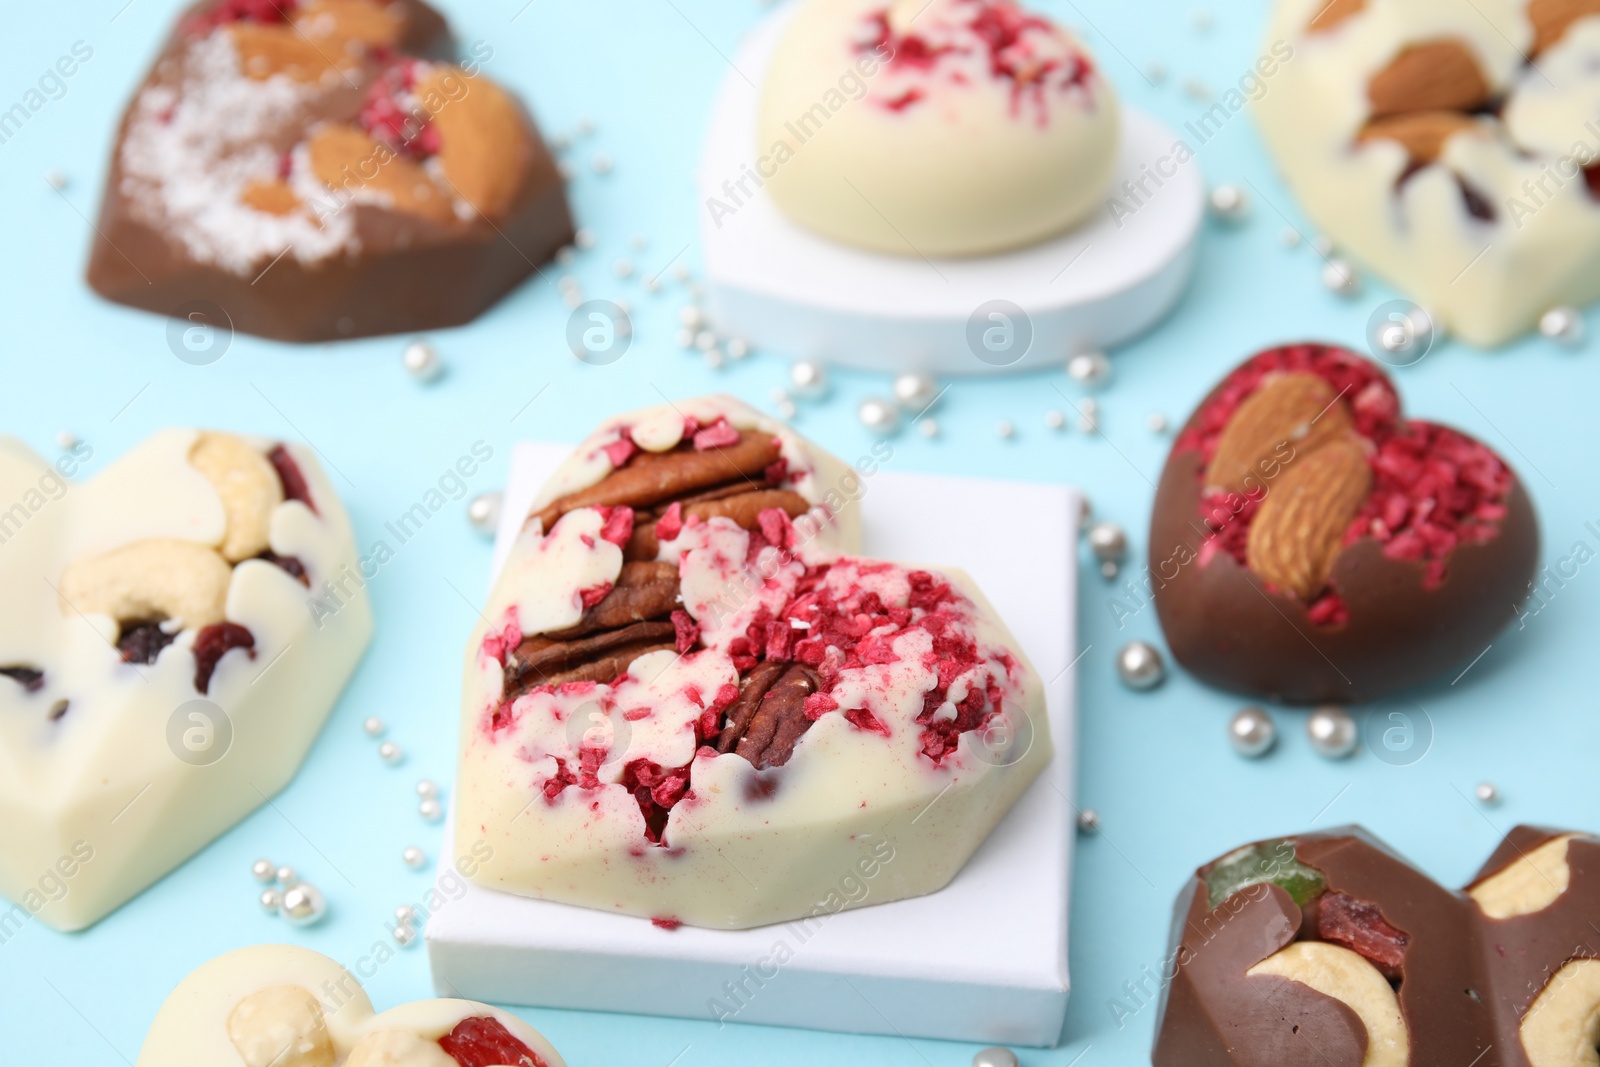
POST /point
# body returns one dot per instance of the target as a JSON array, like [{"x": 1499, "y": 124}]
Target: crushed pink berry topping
[
  {"x": 1026, "y": 51},
  {"x": 666, "y": 922},
  {"x": 393, "y": 115},
  {"x": 1433, "y": 489},
  {"x": 484, "y": 1041},
  {"x": 658, "y": 790},
  {"x": 229, "y": 12},
  {"x": 670, "y": 525},
  {"x": 292, "y": 477},
  {"x": 617, "y": 525},
  {"x": 620, "y": 451},
  {"x": 718, "y": 435},
  {"x": 214, "y": 642}
]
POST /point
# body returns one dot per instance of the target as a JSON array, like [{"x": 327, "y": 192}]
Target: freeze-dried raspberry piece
[
  {"x": 214, "y": 642},
  {"x": 1360, "y": 927},
  {"x": 617, "y": 525},
  {"x": 620, "y": 451},
  {"x": 484, "y": 1041},
  {"x": 718, "y": 435}
]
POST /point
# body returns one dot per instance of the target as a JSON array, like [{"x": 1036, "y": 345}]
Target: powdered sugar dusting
[{"x": 193, "y": 148}]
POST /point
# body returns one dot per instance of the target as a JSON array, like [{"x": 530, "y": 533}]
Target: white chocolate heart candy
[
  {"x": 284, "y": 1006},
  {"x": 934, "y": 127},
  {"x": 804, "y": 717},
  {"x": 177, "y": 629},
  {"x": 1421, "y": 139}
]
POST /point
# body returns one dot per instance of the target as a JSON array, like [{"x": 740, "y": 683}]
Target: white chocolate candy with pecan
[
  {"x": 1382, "y": 115},
  {"x": 935, "y": 127},
  {"x": 284, "y": 1006},
  {"x": 168, "y": 653},
  {"x": 804, "y": 714}
]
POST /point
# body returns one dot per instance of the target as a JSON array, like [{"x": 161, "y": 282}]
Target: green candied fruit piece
[{"x": 1270, "y": 863}]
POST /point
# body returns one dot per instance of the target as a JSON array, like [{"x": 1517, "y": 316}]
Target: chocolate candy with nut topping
[
  {"x": 1310, "y": 544},
  {"x": 309, "y": 170},
  {"x": 1382, "y": 967}
]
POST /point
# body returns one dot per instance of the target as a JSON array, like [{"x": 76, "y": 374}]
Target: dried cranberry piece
[
  {"x": 1359, "y": 926},
  {"x": 294, "y": 482},
  {"x": 1478, "y": 205},
  {"x": 214, "y": 642},
  {"x": 290, "y": 565},
  {"x": 484, "y": 1041},
  {"x": 1591, "y": 178},
  {"x": 142, "y": 642},
  {"x": 30, "y": 678}
]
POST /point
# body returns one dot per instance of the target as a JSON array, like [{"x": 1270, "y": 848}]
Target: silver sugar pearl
[
  {"x": 1230, "y": 204},
  {"x": 1332, "y": 731},
  {"x": 286, "y": 876},
  {"x": 1252, "y": 732},
  {"x": 622, "y": 268},
  {"x": 928, "y": 427},
  {"x": 304, "y": 904},
  {"x": 1563, "y": 325},
  {"x": 1089, "y": 370},
  {"x": 430, "y": 810},
  {"x": 1341, "y": 278},
  {"x": 601, "y": 163},
  {"x": 808, "y": 379},
  {"x": 691, "y": 316},
  {"x": 1108, "y": 542},
  {"x": 786, "y": 410},
  {"x": 1289, "y": 237},
  {"x": 1056, "y": 420},
  {"x": 995, "y": 1057},
  {"x": 680, "y": 272},
  {"x": 373, "y": 726},
  {"x": 271, "y": 900},
  {"x": 406, "y": 915},
  {"x": 264, "y": 871},
  {"x": 566, "y": 255},
  {"x": 1323, "y": 244},
  {"x": 66, "y": 440},
  {"x": 1487, "y": 793},
  {"x": 1110, "y": 569},
  {"x": 483, "y": 512},
  {"x": 584, "y": 239},
  {"x": 685, "y": 338},
  {"x": 705, "y": 340},
  {"x": 1140, "y": 665},
  {"x": 639, "y": 242},
  {"x": 879, "y": 416},
  {"x": 403, "y": 935},
  {"x": 426, "y": 788},
  {"x": 1005, "y": 429},
  {"x": 422, "y": 361},
  {"x": 714, "y": 358},
  {"x": 1157, "y": 422},
  {"x": 737, "y": 348},
  {"x": 414, "y": 858},
  {"x": 1088, "y": 821},
  {"x": 56, "y": 179},
  {"x": 391, "y": 753},
  {"x": 915, "y": 392}
]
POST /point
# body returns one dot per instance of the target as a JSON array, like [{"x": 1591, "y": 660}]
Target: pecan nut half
[{"x": 768, "y": 718}]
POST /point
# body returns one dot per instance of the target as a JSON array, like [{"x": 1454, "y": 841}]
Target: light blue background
[{"x": 1170, "y": 792}]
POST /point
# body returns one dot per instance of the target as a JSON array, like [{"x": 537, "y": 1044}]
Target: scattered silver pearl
[
  {"x": 373, "y": 726},
  {"x": 572, "y": 299},
  {"x": 1332, "y": 731},
  {"x": 304, "y": 904},
  {"x": 1323, "y": 244},
  {"x": 1289, "y": 237},
  {"x": 1088, "y": 821},
  {"x": 1089, "y": 416},
  {"x": 483, "y": 512},
  {"x": 691, "y": 316},
  {"x": 680, "y": 273},
  {"x": 56, "y": 179},
  {"x": 286, "y": 876},
  {"x": 878, "y": 415},
  {"x": 568, "y": 169},
  {"x": 651, "y": 285},
  {"x": 566, "y": 255},
  {"x": 714, "y": 358},
  {"x": 584, "y": 239},
  {"x": 1055, "y": 420},
  {"x": 1563, "y": 325},
  {"x": 430, "y": 810},
  {"x": 414, "y": 858},
  {"x": 404, "y": 936},
  {"x": 1156, "y": 73},
  {"x": 1005, "y": 430},
  {"x": 271, "y": 900},
  {"x": 1252, "y": 732},
  {"x": 1201, "y": 20},
  {"x": 585, "y": 126},
  {"x": 808, "y": 379},
  {"x": 928, "y": 427},
  {"x": 737, "y": 348},
  {"x": 622, "y": 268},
  {"x": 1230, "y": 204},
  {"x": 1340, "y": 277},
  {"x": 995, "y": 1057},
  {"x": 705, "y": 340},
  {"x": 1108, "y": 542},
  {"x": 391, "y": 753},
  {"x": 601, "y": 163},
  {"x": 427, "y": 788},
  {"x": 1109, "y": 570},
  {"x": 1195, "y": 89},
  {"x": 422, "y": 361},
  {"x": 1157, "y": 422},
  {"x": 697, "y": 290},
  {"x": 66, "y": 440},
  {"x": 265, "y": 872},
  {"x": 915, "y": 392},
  {"x": 1089, "y": 370},
  {"x": 406, "y": 915},
  {"x": 685, "y": 338},
  {"x": 786, "y": 410},
  {"x": 639, "y": 242},
  {"x": 1487, "y": 793},
  {"x": 1140, "y": 665}
]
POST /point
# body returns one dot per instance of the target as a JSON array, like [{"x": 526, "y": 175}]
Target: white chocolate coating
[
  {"x": 942, "y": 128},
  {"x": 193, "y": 1026},
  {"x": 1486, "y": 280},
  {"x": 741, "y": 847},
  {"x": 97, "y": 799}
]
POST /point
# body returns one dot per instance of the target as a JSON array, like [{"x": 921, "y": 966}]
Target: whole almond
[
  {"x": 484, "y": 144},
  {"x": 268, "y": 50},
  {"x": 1333, "y": 14},
  {"x": 1422, "y": 134},
  {"x": 1441, "y": 75},
  {"x": 273, "y": 197},
  {"x": 1300, "y": 526},
  {"x": 1296, "y": 409},
  {"x": 352, "y": 162},
  {"x": 344, "y": 21},
  {"x": 1552, "y": 18}
]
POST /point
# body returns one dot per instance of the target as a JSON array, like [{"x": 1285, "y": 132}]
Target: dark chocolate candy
[
  {"x": 381, "y": 194},
  {"x": 1465, "y": 981},
  {"x": 1309, "y": 582}
]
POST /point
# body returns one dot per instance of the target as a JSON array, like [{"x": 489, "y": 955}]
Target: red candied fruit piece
[
  {"x": 214, "y": 642},
  {"x": 1361, "y": 927},
  {"x": 484, "y": 1041},
  {"x": 293, "y": 479},
  {"x": 718, "y": 435}
]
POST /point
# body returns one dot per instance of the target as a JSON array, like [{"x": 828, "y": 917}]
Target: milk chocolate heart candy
[
  {"x": 283, "y": 1006},
  {"x": 1426, "y": 138},
  {"x": 1328, "y": 949},
  {"x": 1309, "y": 544},
  {"x": 315, "y": 169},
  {"x": 176, "y": 631},
  {"x": 683, "y": 676}
]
